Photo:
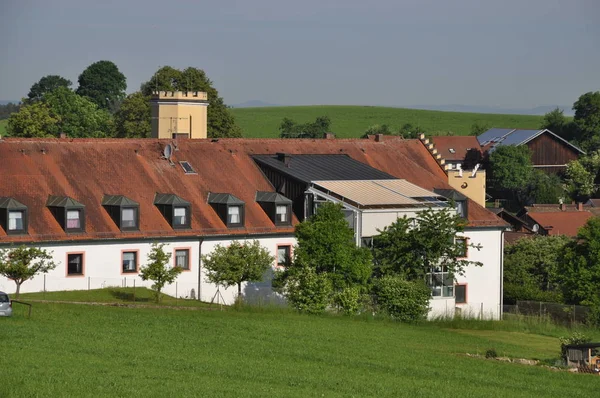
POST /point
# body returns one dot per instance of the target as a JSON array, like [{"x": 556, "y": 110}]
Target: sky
[{"x": 511, "y": 54}]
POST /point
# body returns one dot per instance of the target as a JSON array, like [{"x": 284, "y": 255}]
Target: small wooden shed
[{"x": 584, "y": 356}]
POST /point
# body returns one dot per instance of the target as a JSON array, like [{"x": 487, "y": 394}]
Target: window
[
  {"x": 233, "y": 214},
  {"x": 282, "y": 214},
  {"x": 4, "y": 298},
  {"x": 461, "y": 294},
  {"x": 182, "y": 259},
  {"x": 187, "y": 167},
  {"x": 75, "y": 264},
  {"x": 367, "y": 241},
  {"x": 73, "y": 219},
  {"x": 462, "y": 244},
  {"x": 283, "y": 255},
  {"x": 129, "y": 262},
  {"x": 15, "y": 220},
  {"x": 128, "y": 218},
  {"x": 461, "y": 208},
  {"x": 441, "y": 282},
  {"x": 179, "y": 217},
  {"x": 349, "y": 217}
]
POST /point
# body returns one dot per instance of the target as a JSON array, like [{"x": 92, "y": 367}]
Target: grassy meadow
[
  {"x": 352, "y": 121},
  {"x": 68, "y": 350},
  {"x": 3, "y": 124}
]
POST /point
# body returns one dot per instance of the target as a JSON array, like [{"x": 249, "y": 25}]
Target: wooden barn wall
[{"x": 547, "y": 150}]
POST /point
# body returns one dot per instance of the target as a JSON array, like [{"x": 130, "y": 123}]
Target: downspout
[
  {"x": 200, "y": 269},
  {"x": 501, "y": 274}
]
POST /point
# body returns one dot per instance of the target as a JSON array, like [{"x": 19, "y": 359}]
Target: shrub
[
  {"x": 308, "y": 291},
  {"x": 491, "y": 353},
  {"x": 403, "y": 300},
  {"x": 574, "y": 338},
  {"x": 348, "y": 300}
]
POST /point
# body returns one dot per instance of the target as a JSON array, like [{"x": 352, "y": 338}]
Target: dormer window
[
  {"x": 13, "y": 216},
  {"x": 174, "y": 209},
  {"x": 124, "y": 211},
  {"x": 229, "y": 208},
  {"x": 68, "y": 212},
  {"x": 277, "y": 207},
  {"x": 460, "y": 201}
]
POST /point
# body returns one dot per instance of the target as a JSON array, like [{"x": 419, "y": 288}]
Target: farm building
[
  {"x": 99, "y": 204},
  {"x": 549, "y": 152}
]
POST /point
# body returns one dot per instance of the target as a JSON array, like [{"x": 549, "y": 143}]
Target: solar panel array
[{"x": 492, "y": 135}]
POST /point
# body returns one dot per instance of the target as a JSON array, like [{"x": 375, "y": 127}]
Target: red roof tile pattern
[
  {"x": 86, "y": 169},
  {"x": 460, "y": 145},
  {"x": 561, "y": 222}
]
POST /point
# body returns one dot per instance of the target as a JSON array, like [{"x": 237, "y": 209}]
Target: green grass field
[
  {"x": 67, "y": 350},
  {"x": 352, "y": 121}
]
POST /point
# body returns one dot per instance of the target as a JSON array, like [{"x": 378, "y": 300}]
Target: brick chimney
[
  {"x": 579, "y": 206},
  {"x": 563, "y": 207},
  {"x": 378, "y": 137},
  {"x": 329, "y": 136}
]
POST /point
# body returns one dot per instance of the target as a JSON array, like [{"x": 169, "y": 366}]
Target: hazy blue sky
[{"x": 503, "y": 53}]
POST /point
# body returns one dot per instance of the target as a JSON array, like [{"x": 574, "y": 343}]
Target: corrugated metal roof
[
  {"x": 325, "y": 167},
  {"x": 379, "y": 192}
]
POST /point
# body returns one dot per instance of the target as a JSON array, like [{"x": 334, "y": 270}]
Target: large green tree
[
  {"x": 221, "y": 122},
  {"x": 77, "y": 115},
  {"x": 556, "y": 122},
  {"x": 158, "y": 271},
  {"x": 543, "y": 188},
  {"x": 46, "y": 85},
  {"x": 583, "y": 176},
  {"x": 103, "y": 84},
  {"x": 579, "y": 266},
  {"x": 531, "y": 269},
  {"x": 411, "y": 248},
  {"x": 23, "y": 263},
  {"x": 132, "y": 120},
  {"x": 32, "y": 120},
  {"x": 291, "y": 129},
  {"x": 587, "y": 120},
  {"x": 237, "y": 263},
  {"x": 510, "y": 167}
]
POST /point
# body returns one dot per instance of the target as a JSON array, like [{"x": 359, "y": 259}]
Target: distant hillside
[
  {"x": 538, "y": 110},
  {"x": 352, "y": 121}
]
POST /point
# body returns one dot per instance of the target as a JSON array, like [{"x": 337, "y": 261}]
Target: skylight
[
  {"x": 451, "y": 150},
  {"x": 187, "y": 167}
]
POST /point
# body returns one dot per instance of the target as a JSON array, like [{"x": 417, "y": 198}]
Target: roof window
[
  {"x": 124, "y": 211},
  {"x": 277, "y": 207},
  {"x": 13, "y": 216},
  {"x": 174, "y": 209},
  {"x": 230, "y": 209},
  {"x": 69, "y": 213},
  {"x": 187, "y": 167}
]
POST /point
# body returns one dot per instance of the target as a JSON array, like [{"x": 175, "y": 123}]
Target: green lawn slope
[
  {"x": 352, "y": 121},
  {"x": 3, "y": 124},
  {"x": 67, "y": 350}
]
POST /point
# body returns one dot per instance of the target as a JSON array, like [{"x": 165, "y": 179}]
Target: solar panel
[
  {"x": 518, "y": 136},
  {"x": 187, "y": 167},
  {"x": 492, "y": 135}
]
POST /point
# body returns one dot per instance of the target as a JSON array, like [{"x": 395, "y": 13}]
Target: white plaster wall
[
  {"x": 441, "y": 307},
  {"x": 483, "y": 283},
  {"x": 253, "y": 292},
  {"x": 374, "y": 220}
]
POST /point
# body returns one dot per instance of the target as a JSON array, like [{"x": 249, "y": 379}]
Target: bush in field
[
  {"x": 405, "y": 301},
  {"x": 157, "y": 271},
  {"x": 348, "y": 300},
  {"x": 307, "y": 291}
]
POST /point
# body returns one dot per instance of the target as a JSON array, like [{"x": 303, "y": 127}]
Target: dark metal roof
[
  {"x": 308, "y": 168},
  {"x": 63, "y": 201},
  {"x": 450, "y": 194},
  {"x": 118, "y": 200},
  {"x": 271, "y": 197},
  {"x": 584, "y": 345},
  {"x": 495, "y": 137},
  {"x": 10, "y": 203},
  {"x": 169, "y": 199},
  {"x": 223, "y": 198}
]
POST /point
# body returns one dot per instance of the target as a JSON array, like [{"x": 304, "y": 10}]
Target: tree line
[{"x": 100, "y": 107}]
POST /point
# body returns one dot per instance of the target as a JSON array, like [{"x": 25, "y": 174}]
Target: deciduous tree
[
  {"x": 510, "y": 167},
  {"x": 46, "y": 85},
  {"x": 33, "y": 120},
  {"x": 237, "y": 263},
  {"x": 132, "y": 120},
  {"x": 583, "y": 176},
  {"x": 157, "y": 270},
  {"x": 23, "y": 263},
  {"x": 291, "y": 129},
  {"x": 556, "y": 122},
  {"x": 587, "y": 120},
  {"x": 103, "y": 84}
]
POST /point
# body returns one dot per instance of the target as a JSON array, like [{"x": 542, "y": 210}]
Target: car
[{"x": 5, "y": 305}]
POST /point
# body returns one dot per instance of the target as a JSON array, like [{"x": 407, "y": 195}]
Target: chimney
[
  {"x": 580, "y": 206},
  {"x": 378, "y": 137},
  {"x": 329, "y": 136},
  {"x": 563, "y": 207},
  {"x": 63, "y": 135},
  {"x": 284, "y": 157}
]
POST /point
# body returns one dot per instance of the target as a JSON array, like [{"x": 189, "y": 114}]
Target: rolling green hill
[{"x": 352, "y": 121}]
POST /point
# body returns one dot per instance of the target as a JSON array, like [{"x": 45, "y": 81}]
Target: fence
[{"x": 559, "y": 313}]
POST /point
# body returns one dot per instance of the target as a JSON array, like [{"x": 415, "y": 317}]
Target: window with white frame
[
  {"x": 282, "y": 213},
  {"x": 233, "y": 214},
  {"x": 15, "y": 220},
  {"x": 179, "y": 216},
  {"x": 128, "y": 218},
  {"x": 129, "y": 262},
  {"x": 182, "y": 258},
  {"x": 441, "y": 282}
]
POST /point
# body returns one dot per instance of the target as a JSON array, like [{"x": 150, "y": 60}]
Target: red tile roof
[
  {"x": 460, "y": 145},
  {"x": 86, "y": 169},
  {"x": 561, "y": 222}
]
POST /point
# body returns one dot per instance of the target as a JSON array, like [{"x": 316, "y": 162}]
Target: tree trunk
[{"x": 18, "y": 289}]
